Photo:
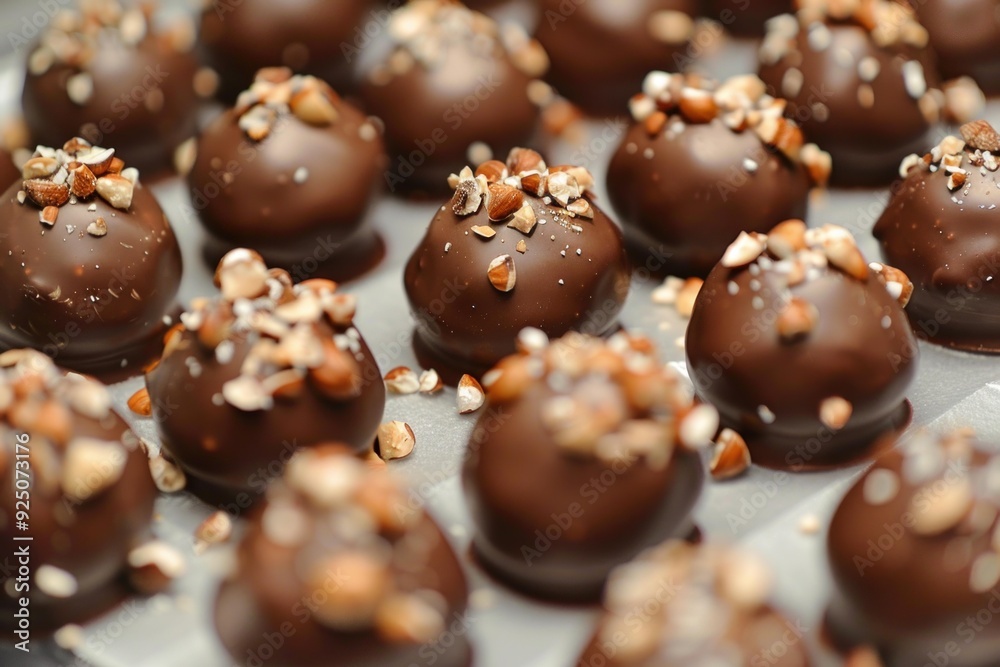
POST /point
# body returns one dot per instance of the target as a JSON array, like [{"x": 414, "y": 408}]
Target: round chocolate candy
[
  {"x": 519, "y": 245},
  {"x": 308, "y": 36},
  {"x": 804, "y": 348},
  {"x": 703, "y": 162},
  {"x": 585, "y": 455},
  {"x": 860, "y": 80},
  {"x": 682, "y": 605},
  {"x": 965, "y": 38},
  {"x": 75, "y": 482},
  {"x": 95, "y": 266},
  {"x": 913, "y": 549},
  {"x": 602, "y": 49},
  {"x": 259, "y": 372},
  {"x": 452, "y": 88},
  {"x": 939, "y": 229},
  {"x": 292, "y": 170},
  {"x": 107, "y": 73},
  {"x": 362, "y": 583}
]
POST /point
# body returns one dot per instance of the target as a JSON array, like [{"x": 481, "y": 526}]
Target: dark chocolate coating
[
  {"x": 904, "y": 593},
  {"x": 465, "y": 324},
  {"x": 602, "y": 49},
  {"x": 433, "y": 116},
  {"x": 116, "y": 113},
  {"x": 314, "y": 229},
  {"x": 229, "y": 450},
  {"x": 309, "y": 36},
  {"x": 745, "y": 18},
  {"x": 866, "y": 144},
  {"x": 694, "y": 196},
  {"x": 111, "y": 292},
  {"x": 965, "y": 37},
  {"x": 951, "y": 253},
  {"x": 267, "y": 595},
  {"x": 738, "y": 362},
  {"x": 577, "y": 518},
  {"x": 93, "y": 545},
  {"x": 8, "y": 172}
]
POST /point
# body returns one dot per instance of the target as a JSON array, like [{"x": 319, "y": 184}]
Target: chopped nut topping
[
  {"x": 395, "y": 440},
  {"x": 402, "y": 380},
  {"x": 484, "y": 231},
  {"x": 835, "y": 412},
  {"x": 502, "y": 274},
  {"x": 503, "y": 201},
  {"x": 430, "y": 382},
  {"x": 470, "y": 396},
  {"x": 731, "y": 456},
  {"x": 745, "y": 249},
  {"x": 895, "y": 281},
  {"x": 98, "y": 227},
  {"x": 217, "y": 528},
  {"x": 154, "y": 566},
  {"x": 797, "y": 319},
  {"x": 140, "y": 404}
]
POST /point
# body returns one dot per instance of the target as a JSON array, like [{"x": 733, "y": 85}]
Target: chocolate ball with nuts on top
[
  {"x": 585, "y": 454},
  {"x": 862, "y": 83},
  {"x": 291, "y": 170},
  {"x": 701, "y": 605},
  {"x": 520, "y": 244},
  {"x": 112, "y": 75},
  {"x": 382, "y": 585},
  {"x": 804, "y": 347},
  {"x": 703, "y": 162},
  {"x": 913, "y": 551},
  {"x": 95, "y": 266},
  {"x": 939, "y": 229},
  {"x": 75, "y": 481},
  {"x": 602, "y": 49},
  {"x": 965, "y": 37},
  {"x": 452, "y": 87},
  {"x": 259, "y": 372}
]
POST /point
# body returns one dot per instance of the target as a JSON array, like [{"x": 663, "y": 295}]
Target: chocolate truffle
[
  {"x": 859, "y": 79},
  {"x": 803, "y": 347},
  {"x": 745, "y": 18},
  {"x": 452, "y": 88},
  {"x": 939, "y": 228},
  {"x": 292, "y": 170},
  {"x": 915, "y": 555},
  {"x": 681, "y": 605},
  {"x": 8, "y": 171},
  {"x": 262, "y": 370},
  {"x": 965, "y": 37},
  {"x": 103, "y": 71},
  {"x": 93, "y": 265},
  {"x": 337, "y": 553},
  {"x": 64, "y": 452},
  {"x": 602, "y": 49},
  {"x": 592, "y": 460},
  {"x": 316, "y": 37},
  {"x": 703, "y": 162},
  {"x": 519, "y": 245}
]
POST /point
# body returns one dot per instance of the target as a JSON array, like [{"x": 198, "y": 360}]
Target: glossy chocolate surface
[
  {"x": 556, "y": 509},
  {"x": 573, "y": 275},
  {"x": 300, "y": 196},
  {"x": 94, "y": 304},
  {"x": 233, "y": 442},
  {"x": 944, "y": 240},
  {"x": 912, "y": 551},
  {"x": 87, "y": 538},
  {"x": 8, "y": 172},
  {"x": 601, "y": 49},
  {"x": 299, "y": 565},
  {"x": 827, "y": 98},
  {"x": 685, "y": 186},
  {"x": 772, "y": 388},
  {"x": 443, "y": 96},
  {"x": 965, "y": 38},
  {"x": 309, "y": 36},
  {"x": 680, "y": 605},
  {"x": 143, "y": 100}
]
